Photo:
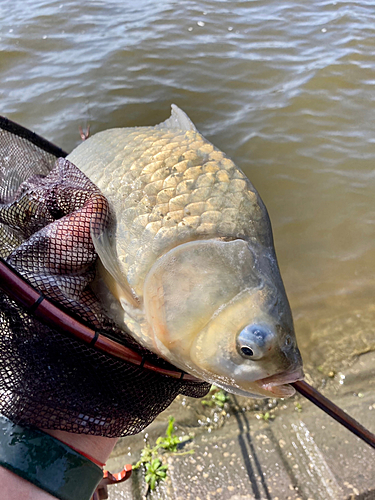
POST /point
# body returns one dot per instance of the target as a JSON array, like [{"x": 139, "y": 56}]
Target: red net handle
[{"x": 24, "y": 294}]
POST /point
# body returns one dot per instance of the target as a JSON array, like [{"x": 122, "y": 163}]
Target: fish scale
[{"x": 168, "y": 187}]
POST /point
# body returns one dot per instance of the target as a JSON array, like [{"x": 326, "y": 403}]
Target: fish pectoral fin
[
  {"x": 178, "y": 120},
  {"x": 110, "y": 271}
]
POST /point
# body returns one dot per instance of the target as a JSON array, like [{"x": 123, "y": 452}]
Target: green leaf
[
  {"x": 146, "y": 454},
  {"x": 155, "y": 463},
  {"x": 207, "y": 403},
  {"x": 170, "y": 427},
  {"x": 153, "y": 482},
  {"x": 221, "y": 396}
]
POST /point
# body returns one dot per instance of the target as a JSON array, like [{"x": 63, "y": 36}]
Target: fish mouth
[{"x": 277, "y": 385}]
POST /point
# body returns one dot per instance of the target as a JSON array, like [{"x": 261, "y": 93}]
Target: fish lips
[{"x": 277, "y": 385}]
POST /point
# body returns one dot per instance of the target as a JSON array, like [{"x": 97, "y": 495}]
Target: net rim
[
  {"x": 55, "y": 316},
  {"x": 20, "y": 131}
]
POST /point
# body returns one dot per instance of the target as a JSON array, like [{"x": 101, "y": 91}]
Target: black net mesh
[{"x": 48, "y": 379}]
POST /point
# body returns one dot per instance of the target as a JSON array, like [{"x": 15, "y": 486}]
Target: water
[{"x": 285, "y": 88}]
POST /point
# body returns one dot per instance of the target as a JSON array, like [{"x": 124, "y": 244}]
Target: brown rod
[
  {"x": 334, "y": 411},
  {"x": 17, "y": 288}
]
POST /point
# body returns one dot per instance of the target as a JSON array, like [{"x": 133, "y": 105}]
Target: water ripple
[{"x": 285, "y": 88}]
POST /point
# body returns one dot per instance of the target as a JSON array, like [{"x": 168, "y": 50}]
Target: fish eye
[
  {"x": 247, "y": 351},
  {"x": 254, "y": 341}
]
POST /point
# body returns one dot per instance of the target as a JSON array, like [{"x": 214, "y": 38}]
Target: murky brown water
[{"x": 285, "y": 88}]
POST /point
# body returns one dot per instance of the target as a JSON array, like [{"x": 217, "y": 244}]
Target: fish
[{"x": 188, "y": 265}]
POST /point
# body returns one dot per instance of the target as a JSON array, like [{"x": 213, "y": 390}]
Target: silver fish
[{"x": 189, "y": 265}]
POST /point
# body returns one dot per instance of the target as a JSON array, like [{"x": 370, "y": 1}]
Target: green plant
[
  {"x": 266, "y": 416},
  {"x": 170, "y": 442},
  {"x": 298, "y": 407},
  {"x": 216, "y": 397},
  {"x": 151, "y": 458},
  {"x": 155, "y": 472}
]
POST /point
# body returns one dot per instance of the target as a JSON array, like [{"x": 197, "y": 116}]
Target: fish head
[
  {"x": 255, "y": 350},
  {"x": 218, "y": 309}
]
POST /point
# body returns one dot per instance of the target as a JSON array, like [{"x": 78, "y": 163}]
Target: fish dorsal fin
[
  {"x": 178, "y": 120},
  {"x": 111, "y": 273}
]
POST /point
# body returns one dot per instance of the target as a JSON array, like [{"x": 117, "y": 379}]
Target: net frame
[{"x": 56, "y": 317}]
